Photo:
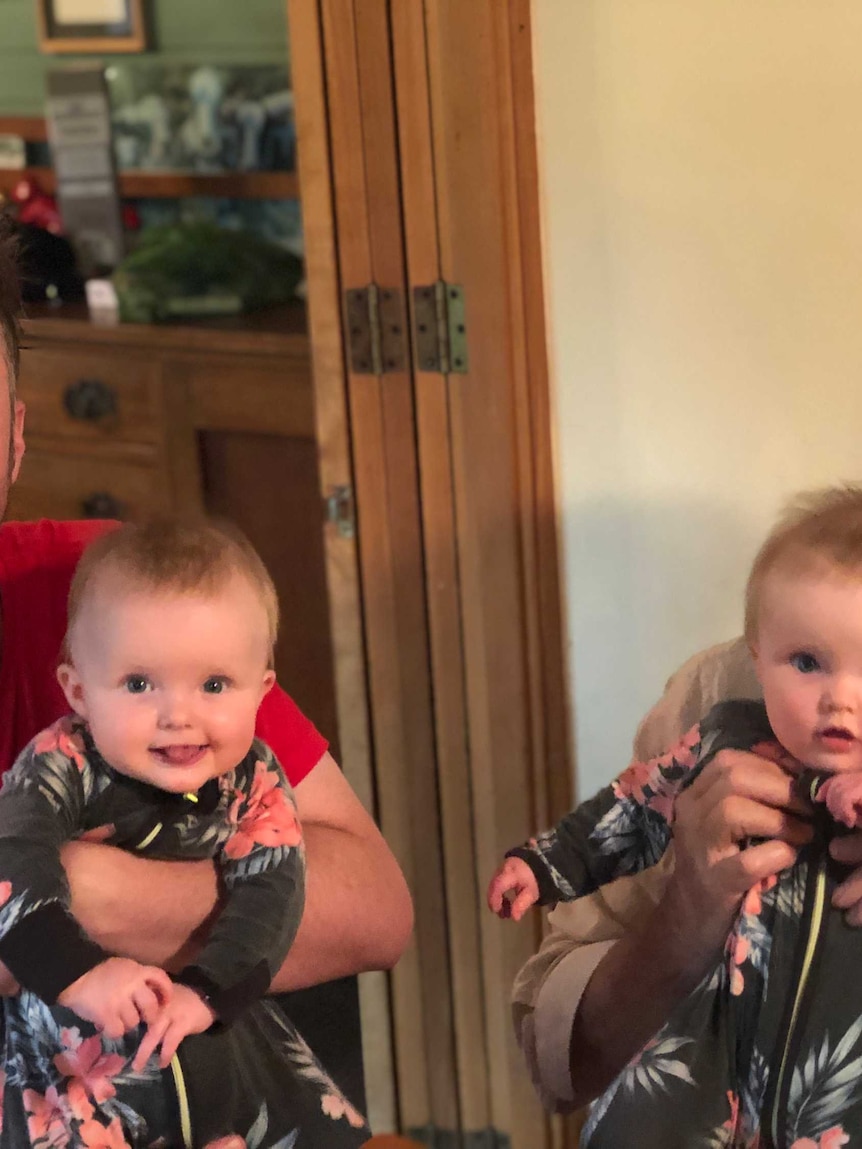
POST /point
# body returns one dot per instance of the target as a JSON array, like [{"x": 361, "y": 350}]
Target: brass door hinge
[
  {"x": 440, "y": 328},
  {"x": 376, "y": 329}
]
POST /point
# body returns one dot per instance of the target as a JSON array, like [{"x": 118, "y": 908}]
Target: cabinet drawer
[
  {"x": 91, "y": 395},
  {"x": 58, "y": 486},
  {"x": 276, "y": 399}
]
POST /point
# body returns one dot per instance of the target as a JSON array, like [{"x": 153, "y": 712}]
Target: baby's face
[
  {"x": 169, "y": 683},
  {"x": 808, "y": 654}
]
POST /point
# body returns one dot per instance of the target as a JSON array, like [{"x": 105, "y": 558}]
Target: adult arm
[
  {"x": 358, "y": 914},
  {"x": 663, "y": 951}
]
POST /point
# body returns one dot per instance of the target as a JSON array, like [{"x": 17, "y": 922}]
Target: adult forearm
[
  {"x": 156, "y": 912},
  {"x": 358, "y": 913},
  {"x": 633, "y": 991}
]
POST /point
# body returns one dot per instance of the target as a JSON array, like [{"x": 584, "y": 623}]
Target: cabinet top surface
[{"x": 277, "y": 331}]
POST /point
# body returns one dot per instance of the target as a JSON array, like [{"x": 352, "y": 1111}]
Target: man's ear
[
  {"x": 72, "y": 687},
  {"x": 17, "y": 441}
]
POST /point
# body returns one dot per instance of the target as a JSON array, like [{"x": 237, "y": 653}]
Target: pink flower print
[
  {"x": 682, "y": 753},
  {"x": 833, "y": 1138},
  {"x": 96, "y": 1136},
  {"x": 46, "y": 1121},
  {"x": 631, "y": 782},
  {"x": 64, "y": 738},
  {"x": 91, "y": 1066},
  {"x": 738, "y": 948},
  {"x": 335, "y": 1106},
  {"x": 5, "y": 892},
  {"x": 76, "y": 1099},
  {"x": 267, "y": 819},
  {"x": 732, "y": 1121}
]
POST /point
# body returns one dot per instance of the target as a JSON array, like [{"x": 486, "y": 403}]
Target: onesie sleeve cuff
[
  {"x": 46, "y": 951},
  {"x": 228, "y": 1002}
]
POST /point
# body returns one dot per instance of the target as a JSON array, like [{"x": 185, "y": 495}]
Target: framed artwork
[{"x": 91, "y": 25}]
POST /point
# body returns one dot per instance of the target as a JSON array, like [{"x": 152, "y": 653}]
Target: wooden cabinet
[{"x": 125, "y": 421}]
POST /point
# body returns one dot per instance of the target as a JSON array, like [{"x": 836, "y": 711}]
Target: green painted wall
[{"x": 183, "y": 31}]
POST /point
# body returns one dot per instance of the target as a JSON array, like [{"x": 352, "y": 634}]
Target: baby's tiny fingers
[
  {"x": 149, "y": 1043},
  {"x": 170, "y": 1043},
  {"x": 148, "y": 1004},
  {"x": 522, "y": 903},
  {"x": 159, "y": 982}
]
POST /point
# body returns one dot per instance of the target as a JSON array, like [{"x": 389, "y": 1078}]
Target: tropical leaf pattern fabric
[
  {"x": 64, "y": 1085},
  {"x": 749, "y": 1060}
]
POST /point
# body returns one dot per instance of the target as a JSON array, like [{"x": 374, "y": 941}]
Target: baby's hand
[
  {"x": 118, "y": 994},
  {"x": 185, "y": 1013},
  {"x": 842, "y": 794},
  {"x": 515, "y": 878}
]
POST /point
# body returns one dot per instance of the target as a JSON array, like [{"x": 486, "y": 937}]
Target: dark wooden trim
[{"x": 176, "y": 185}]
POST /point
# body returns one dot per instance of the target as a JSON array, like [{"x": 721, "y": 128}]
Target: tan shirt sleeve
[{"x": 548, "y": 989}]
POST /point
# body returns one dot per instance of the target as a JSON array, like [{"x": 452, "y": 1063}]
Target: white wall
[{"x": 702, "y": 198}]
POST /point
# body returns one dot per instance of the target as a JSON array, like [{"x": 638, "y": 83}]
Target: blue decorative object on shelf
[{"x": 169, "y": 117}]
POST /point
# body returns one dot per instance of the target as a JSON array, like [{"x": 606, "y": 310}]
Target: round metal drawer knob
[
  {"x": 101, "y": 505},
  {"x": 90, "y": 400}
]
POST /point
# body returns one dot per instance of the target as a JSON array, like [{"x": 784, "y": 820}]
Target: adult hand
[
  {"x": 657, "y": 963},
  {"x": 739, "y": 796}
]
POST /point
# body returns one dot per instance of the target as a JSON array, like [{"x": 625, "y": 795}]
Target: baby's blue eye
[
  {"x": 215, "y": 685},
  {"x": 137, "y": 684},
  {"x": 804, "y": 662}
]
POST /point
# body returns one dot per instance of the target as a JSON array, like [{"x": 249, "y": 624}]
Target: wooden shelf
[
  {"x": 177, "y": 185},
  {"x": 30, "y": 128}
]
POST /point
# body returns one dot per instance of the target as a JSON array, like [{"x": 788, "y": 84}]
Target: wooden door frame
[
  {"x": 541, "y": 572},
  {"x": 323, "y": 290}
]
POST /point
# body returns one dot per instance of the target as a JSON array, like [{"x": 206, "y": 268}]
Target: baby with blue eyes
[
  {"x": 803, "y": 625},
  {"x": 168, "y": 655}
]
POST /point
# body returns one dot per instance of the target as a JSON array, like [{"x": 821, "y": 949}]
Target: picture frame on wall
[{"x": 91, "y": 26}]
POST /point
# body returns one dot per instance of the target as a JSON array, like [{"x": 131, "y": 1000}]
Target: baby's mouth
[
  {"x": 183, "y": 754},
  {"x": 836, "y": 736}
]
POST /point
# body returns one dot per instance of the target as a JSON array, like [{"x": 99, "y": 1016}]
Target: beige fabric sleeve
[{"x": 548, "y": 989}]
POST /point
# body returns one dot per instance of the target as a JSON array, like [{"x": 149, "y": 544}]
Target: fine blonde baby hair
[
  {"x": 818, "y": 531},
  {"x": 173, "y": 554}
]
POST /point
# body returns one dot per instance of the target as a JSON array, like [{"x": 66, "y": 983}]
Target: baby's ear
[
  {"x": 72, "y": 687},
  {"x": 267, "y": 684}
]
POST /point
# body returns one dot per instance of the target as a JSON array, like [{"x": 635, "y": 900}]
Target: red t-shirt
[{"x": 37, "y": 561}]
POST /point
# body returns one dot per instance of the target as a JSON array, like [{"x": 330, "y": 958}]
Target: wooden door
[
  {"x": 431, "y": 172},
  {"x": 470, "y": 201}
]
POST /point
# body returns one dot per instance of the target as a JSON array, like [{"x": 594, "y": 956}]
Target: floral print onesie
[
  {"x": 65, "y": 1085},
  {"x": 766, "y": 1053}
]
